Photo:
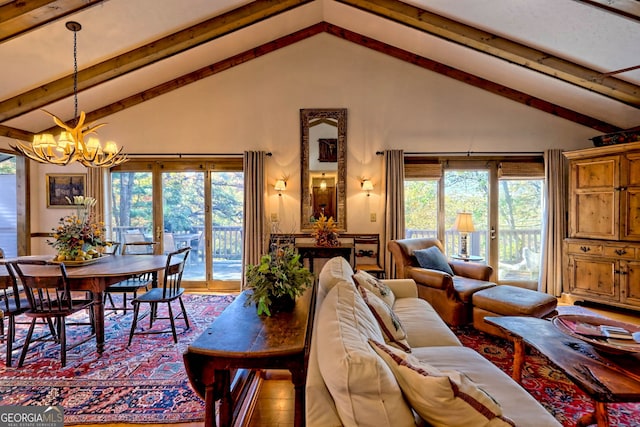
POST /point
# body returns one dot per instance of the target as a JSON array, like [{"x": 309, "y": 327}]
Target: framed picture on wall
[
  {"x": 61, "y": 185},
  {"x": 328, "y": 150}
]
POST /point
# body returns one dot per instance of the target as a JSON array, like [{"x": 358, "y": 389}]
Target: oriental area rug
[
  {"x": 143, "y": 383},
  {"x": 147, "y": 382}
]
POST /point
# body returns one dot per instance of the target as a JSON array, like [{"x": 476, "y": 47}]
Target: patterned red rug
[
  {"x": 143, "y": 383},
  {"x": 544, "y": 382},
  {"x": 146, "y": 383}
]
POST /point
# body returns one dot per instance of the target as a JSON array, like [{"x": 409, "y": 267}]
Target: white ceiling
[{"x": 572, "y": 30}]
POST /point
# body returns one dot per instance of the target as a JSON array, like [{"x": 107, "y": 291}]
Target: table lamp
[{"x": 464, "y": 225}]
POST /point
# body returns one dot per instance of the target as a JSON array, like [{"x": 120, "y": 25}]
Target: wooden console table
[
  {"x": 238, "y": 339},
  {"x": 311, "y": 252}
]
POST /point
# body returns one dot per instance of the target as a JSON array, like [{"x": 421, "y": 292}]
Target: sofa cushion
[
  {"x": 422, "y": 323},
  {"x": 433, "y": 259},
  {"x": 447, "y": 399},
  {"x": 517, "y": 404},
  {"x": 391, "y": 326},
  {"x": 375, "y": 285},
  {"x": 362, "y": 386},
  {"x": 335, "y": 270}
]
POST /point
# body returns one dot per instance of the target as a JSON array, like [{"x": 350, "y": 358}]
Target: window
[
  {"x": 504, "y": 198},
  {"x": 8, "y": 206}
]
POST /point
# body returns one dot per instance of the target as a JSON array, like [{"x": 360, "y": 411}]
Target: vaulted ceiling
[{"x": 577, "y": 59}]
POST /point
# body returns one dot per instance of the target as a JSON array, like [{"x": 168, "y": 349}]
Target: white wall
[{"x": 390, "y": 103}]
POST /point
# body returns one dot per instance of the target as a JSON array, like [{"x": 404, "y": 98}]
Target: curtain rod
[
  {"x": 181, "y": 155},
  {"x": 466, "y": 153}
]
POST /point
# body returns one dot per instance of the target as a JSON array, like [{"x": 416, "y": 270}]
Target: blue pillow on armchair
[{"x": 433, "y": 259}]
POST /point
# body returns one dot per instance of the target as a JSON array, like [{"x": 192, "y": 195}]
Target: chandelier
[{"x": 74, "y": 143}]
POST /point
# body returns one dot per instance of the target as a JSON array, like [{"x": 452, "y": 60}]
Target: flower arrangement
[
  {"x": 277, "y": 280},
  {"x": 78, "y": 237},
  {"x": 325, "y": 232}
]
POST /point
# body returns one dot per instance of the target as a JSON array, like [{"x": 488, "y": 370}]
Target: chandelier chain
[{"x": 75, "y": 76}]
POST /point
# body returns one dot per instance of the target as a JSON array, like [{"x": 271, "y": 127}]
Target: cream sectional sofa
[{"x": 348, "y": 384}]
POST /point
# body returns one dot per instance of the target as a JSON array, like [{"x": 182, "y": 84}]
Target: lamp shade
[
  {"x": 367, "y": 185},
  {"x": 280, "y": 185},
  {"x": 464, "y": 223}
]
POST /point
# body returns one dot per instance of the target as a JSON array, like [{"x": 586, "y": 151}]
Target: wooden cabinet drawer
[
  {"x": 584, "y": 248},
  {"x": 622, "y": 252}
]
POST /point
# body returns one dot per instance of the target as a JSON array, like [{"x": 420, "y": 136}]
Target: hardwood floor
[{"x": 274, "y": 407}]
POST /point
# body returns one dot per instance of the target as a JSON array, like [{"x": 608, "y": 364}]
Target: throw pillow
[
  {"x": 433, "y": 259},
  {"x": 441, "y": 398},
  {"x": 392, "y": 330},
  {"x": 375, "y": 285}
]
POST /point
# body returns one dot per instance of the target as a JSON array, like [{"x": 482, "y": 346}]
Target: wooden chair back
[
  {"x": 367, "y": 254},
  {"x": 173, "y": 273},
  {"x": 138, "y": 248},
  {"x": 46, "y": 286}
]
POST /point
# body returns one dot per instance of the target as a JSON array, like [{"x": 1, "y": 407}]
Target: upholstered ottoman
[{"x": 504, "y": 300}]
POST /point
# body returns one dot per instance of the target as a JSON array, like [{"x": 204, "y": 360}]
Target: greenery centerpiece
[
  {"x": 277, "y": 280},
  {"x": 325, "y": 232},
  {"x": 79, "y": 237}
]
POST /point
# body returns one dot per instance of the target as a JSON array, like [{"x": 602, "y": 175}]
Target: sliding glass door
[{"x": 182, "y": 203}]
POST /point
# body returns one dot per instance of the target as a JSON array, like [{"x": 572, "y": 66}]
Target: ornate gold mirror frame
[{"x": 323, "y": 166}]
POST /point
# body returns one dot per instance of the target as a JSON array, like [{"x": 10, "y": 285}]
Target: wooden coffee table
[{"x": 603, "y": 377}]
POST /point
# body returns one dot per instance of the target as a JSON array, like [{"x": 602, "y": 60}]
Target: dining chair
[
  {"x": 48, "y": 292},
  {"x": 170, "y": 291},
  {"x": 133, "y": 284},
  {"x": 13, "y": 303}
]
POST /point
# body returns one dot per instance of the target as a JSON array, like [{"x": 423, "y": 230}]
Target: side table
[{"x": 473, "y": 258}]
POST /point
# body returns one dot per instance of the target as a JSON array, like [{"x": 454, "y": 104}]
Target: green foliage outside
[
  {"x": 183, "y": 200},
  {"x": 8, "y": 167}
]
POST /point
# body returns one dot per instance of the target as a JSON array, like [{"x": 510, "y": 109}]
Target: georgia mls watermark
[{"x": 31, "y": 416}]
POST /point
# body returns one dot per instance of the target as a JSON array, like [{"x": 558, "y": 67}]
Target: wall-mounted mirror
[{"x": 323, "y": 166}]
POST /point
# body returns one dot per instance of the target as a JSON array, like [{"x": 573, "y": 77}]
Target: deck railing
[{"x": 512, "y": 242}]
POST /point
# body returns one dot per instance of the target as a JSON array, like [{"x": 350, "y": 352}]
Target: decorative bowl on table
[
  {"x": 79, "y": 263},
  {"x": 591, "y": 329}
]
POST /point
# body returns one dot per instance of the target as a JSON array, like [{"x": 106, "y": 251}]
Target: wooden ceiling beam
[
  {"x": 361, "y": 40},
  {"x": 19, "y": 16},
  {"x": 470, "y": 79},
  {"x": 165, "y": 47},
  {"x": 20, "y": 134},
  {"x": 627, "y": 8},
  {"x": 502, "y": 48}
]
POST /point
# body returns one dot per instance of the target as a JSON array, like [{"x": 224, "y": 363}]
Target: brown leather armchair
[{"x": 449, "y": 295}]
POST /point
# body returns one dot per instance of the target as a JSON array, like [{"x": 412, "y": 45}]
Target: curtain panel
[
  {"x": 554, "y": 227},
  {"x": 254, "y": 208},
  {"x": 394, "y": 204}
]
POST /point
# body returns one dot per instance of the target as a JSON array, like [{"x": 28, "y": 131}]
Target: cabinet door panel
[
  {"x": 596, "y": 215},
  {"x": 594, "y": 277},
  {"x": 630, "y": 292},
  {"x": 594, "y": 198},
  {"x": 630, "y": 208},
  {"x": 593, "y": 174}
]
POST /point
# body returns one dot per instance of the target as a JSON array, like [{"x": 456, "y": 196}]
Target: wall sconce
[
  {"x": 464, "y": 225},
  {"x": 367, "y": 186},
  {"x": 280, "y": 186},
  {"x": 323, "y": 183}
]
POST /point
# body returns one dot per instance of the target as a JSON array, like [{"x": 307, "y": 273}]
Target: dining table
[{"x": 96, "y": 276}]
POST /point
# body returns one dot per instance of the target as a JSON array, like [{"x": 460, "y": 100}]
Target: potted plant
[{"x": 277, "y": 280}]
